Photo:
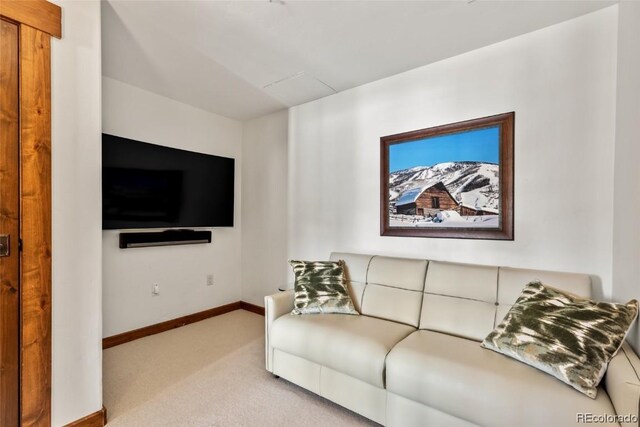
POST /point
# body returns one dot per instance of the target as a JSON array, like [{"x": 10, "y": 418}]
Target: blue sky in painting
[{"x": 481, "y": 145}]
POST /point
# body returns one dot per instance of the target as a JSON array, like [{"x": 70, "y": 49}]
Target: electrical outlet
[
  {"x": 209, "y": 279},
  {"x": 155, "y": 289}
]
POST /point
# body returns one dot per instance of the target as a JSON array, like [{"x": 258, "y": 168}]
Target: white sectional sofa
[{"x": 413, "y": 358}]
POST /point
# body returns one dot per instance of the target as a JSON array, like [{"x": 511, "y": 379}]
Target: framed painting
[{"x": 450, "y": 181}]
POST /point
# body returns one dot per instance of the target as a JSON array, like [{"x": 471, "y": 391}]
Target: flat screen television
[{"x": 150, "y": 186}]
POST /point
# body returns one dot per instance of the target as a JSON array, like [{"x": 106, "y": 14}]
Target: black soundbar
[{"x": 164, "y": 238}]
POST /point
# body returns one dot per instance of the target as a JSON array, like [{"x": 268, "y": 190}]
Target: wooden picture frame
[{"x": 449, "y": 181}]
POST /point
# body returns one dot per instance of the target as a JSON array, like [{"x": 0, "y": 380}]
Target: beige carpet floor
[{"x": 209, "y": 373}]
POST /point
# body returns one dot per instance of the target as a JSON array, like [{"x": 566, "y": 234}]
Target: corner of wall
[
  {"x": 264, "y": 204},
  {"x": 626, "y": 234}
]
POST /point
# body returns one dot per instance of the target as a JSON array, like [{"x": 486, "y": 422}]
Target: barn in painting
[
  {"x": 475, "y": 211},
  {"x": 426, "y": 201}
]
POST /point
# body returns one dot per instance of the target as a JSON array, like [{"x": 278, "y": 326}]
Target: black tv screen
[{"x": 150, "y": 186}]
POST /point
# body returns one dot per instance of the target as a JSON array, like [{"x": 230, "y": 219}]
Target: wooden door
[
  {"x": 9, "y": 226},
  {"x": 25, "y": 210}
]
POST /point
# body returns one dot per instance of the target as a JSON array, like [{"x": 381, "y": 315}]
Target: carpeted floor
[{"x": 209, "y": 373}]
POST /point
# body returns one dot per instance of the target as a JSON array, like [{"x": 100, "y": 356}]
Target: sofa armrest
[
  {"x": 275, "y": 306},
  {"x": 622, "y": 383}
]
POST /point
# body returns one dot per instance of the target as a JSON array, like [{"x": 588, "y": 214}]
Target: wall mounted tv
[{"x": 151, "y": 186}]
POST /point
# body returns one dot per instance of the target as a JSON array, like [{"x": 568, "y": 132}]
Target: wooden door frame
[
  {"x": 9, "y": 224},
  {"x": 37, "y": 20}
]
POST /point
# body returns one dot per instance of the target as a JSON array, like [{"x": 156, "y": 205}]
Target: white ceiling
[{"x": 244, "y": 59}]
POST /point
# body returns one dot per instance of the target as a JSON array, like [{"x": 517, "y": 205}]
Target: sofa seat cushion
[
  {"x": 456, "y": 376},
  {"x": 354, "y": 345}
]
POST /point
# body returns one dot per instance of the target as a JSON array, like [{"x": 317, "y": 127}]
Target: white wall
[
  {"x": 626, "y": 233},
  {"x": 180, "y": 271},
  {"x": 264, "y": 206},
  {"x": 76, "y": 206},
  {"x": 560, "y": 81}
]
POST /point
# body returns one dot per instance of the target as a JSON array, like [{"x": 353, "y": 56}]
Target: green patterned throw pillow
[
  {"x": 568, "y": 337},
  {"x": 321, "y": 287}
]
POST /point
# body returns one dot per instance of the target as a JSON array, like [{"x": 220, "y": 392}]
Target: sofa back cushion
[
  {"x": 355, "y": 268},
  {"x": 513, "y": 280},
  {"x": 466, "y": 300},
  {"x": 459, "y": 299},
  {"x": 392, "y": 287},
  {"x": 470, "y": 300}
]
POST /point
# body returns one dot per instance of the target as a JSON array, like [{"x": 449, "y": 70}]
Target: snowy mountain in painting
[{"x": 474, "y": 184}]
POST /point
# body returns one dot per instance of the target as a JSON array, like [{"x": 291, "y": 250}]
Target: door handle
[{"x": 4, "y": 245}]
